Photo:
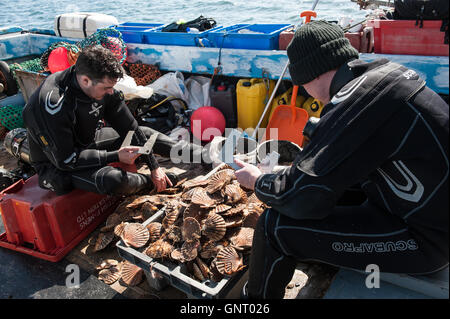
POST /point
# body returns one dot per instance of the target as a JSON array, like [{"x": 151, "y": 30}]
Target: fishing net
[
  {"x": 109, "y": 38},
  {"x": 11, "y": 116},
  {"x": 143, "y": 74}
]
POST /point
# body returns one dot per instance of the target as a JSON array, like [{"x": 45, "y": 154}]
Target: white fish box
[{"x": 81, "y": 24}]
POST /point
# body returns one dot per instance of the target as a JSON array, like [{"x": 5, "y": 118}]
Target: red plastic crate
[
  {"x": 404, "y": 37},
  {"x": 47, "y": 226}
]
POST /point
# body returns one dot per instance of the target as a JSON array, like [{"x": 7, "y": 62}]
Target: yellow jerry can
[
  {"x": 252, "y": 96},
  {"x": 313, "y": 107}
]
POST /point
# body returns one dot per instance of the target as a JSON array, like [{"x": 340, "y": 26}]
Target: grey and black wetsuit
[
  {"x": 387, "y": 132},
  {"x": 68, "y": 150}
]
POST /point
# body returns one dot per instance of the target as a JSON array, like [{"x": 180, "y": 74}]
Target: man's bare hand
[
  {"x": 160, "y": 179},
  {"x": 128, "y": 154}
]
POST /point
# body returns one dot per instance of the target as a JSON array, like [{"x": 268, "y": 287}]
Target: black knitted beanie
[{"x": 318, "y": 47}]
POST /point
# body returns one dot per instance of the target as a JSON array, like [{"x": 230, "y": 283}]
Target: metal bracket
[{"x": 148, "y": 146}]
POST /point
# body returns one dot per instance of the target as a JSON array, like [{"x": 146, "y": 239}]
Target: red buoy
[
  {"x": 58, "y": 60},
  {"x": 207, "y": 122}
]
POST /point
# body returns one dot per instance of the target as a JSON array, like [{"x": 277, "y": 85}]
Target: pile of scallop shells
[{"x": 207, "y": 225}]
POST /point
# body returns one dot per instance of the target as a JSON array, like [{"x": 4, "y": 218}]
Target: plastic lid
[{"x": 247, "y": 84}]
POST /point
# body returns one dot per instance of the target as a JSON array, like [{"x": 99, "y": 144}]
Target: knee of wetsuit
[{"x": 116, "y": 181}]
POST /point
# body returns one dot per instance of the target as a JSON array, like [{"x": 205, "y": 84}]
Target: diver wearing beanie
[{"x": 382, "y": 131}]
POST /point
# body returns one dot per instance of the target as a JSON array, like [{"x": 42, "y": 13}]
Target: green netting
[
  {"x": 30, "y": 65},
  {"x": 11, "y": 116},
  {"x": 111, "y": 39}
]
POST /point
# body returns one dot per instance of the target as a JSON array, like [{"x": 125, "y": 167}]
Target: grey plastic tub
[{"x": 162, "y": 273}]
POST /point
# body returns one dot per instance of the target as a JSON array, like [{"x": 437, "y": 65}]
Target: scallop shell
[
  {"x": 112, "y": 221},
  {"x": 197, "y": 272},
  {"x": 228, "y": 261},
  {"x": 110, "y": 275},
  {"x": 242, "y": 237},
  {"x": 250, "y": 219},
  {"x": 210, "y": 249},
  {"x": 170, "y": 218},
  {"x": 200, "y": 197},
  {"x": 118, "y": 230},
  {"x": 235, "y": 210},
  {"x": 253, "y": 199},
  {"x": 191, "y": 229},
  {"x": 159, "y": 249},
  {"x": 148, "y": 209},
  {"x": 233, "y": 221},
  {"x": 220, "y": 209},
  {"x": 177, "y": 255},
  {"x": 175, "y": 234},
  {"x": 203, "y": 267},
  {"x": 107, "y": 263},
  {"x": 103, "y": 240},
  {"x": 195, "y": 211},
  {"x": 214, "y": 227},
  {"x": 189, "y": 249},
  {"x": 234, "y": 193},
  {"x": 131, "y": 274},
  {"x": 195, "y": 183},
  {"x": 139, "y": 201},
  {"x": 252, "y": 207},
  {"x": 214, "y": 274},
  {"x": 219, "y": 179},
  {"x": 155, "y": 231},
  {"x": 135, "y": 235}
]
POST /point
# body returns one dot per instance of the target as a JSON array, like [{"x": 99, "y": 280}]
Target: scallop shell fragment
[
  {"x": 189, "y": 249},
  {"x": 214, "y": 227},
  {"x": 195, "y": 183},
  {"x": 233, "y": 221},
  {"x": 228, "y": 261},
  {"x": 210, "y": 249},
  {"x": 107, "y": 263},
  {"x": 197, "y": 272},
  {"x": 242, "y": 238},
  {"x": 175, "y": 235},
  {"x": 139, "y": 201},
  {"x": 135, "y": 235},
  {"x": 131, "y": 274},
  {"x": 191, "y": 229},
  {"x": 159, "y": 249},
  {"x": 110, "y": 275},
  {"x": 203, "y": 267},
  {"x": 177, "y": 255},
  {"x": 170, "y": 218},
  {"x": 103, "y": 240},
  {"x": 235, "y": 210},
  {"x": 118, "y": 230},
  {"x": 220, "y": 208},
  {"x": 155, "y": 231}
]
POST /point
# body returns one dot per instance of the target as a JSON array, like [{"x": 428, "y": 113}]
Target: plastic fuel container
[
  {"x": 252, "y": 96},
  {"x": 223, "y": 97}
]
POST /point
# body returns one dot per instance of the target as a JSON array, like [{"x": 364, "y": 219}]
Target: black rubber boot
[{"x": 173, "y": 178}]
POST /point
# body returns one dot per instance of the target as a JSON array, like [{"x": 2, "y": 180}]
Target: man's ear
[{"x": 85, "y": 81}]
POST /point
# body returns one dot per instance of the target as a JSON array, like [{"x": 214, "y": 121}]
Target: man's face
[{"x": 97, "y": 90}]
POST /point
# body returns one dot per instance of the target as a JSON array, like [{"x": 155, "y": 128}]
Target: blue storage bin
[
  {"x": 134, "y": 32},
  {"x": 156, "y": 36},
  {"x": 248, "y": 36}
]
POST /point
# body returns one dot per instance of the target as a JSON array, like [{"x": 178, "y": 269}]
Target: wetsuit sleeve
[
  {"x": 119, "y": 116},
  {"x": 298, "y": 195}
]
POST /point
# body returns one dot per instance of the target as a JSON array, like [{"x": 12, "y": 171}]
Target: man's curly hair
[{"x": 96, "y": 62}]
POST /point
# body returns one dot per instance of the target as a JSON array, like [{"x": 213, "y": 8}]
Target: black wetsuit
[
  {"x": 387, "y": 132},
  {"x": 70, "y": 148}
]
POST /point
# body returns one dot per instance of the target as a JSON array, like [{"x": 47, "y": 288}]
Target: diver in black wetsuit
[
  {"x": 381, "y": 128},
  {"x": 68, "y": 148}
]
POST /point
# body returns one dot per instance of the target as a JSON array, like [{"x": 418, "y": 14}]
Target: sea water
[{"x": 41, "y": 13}]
